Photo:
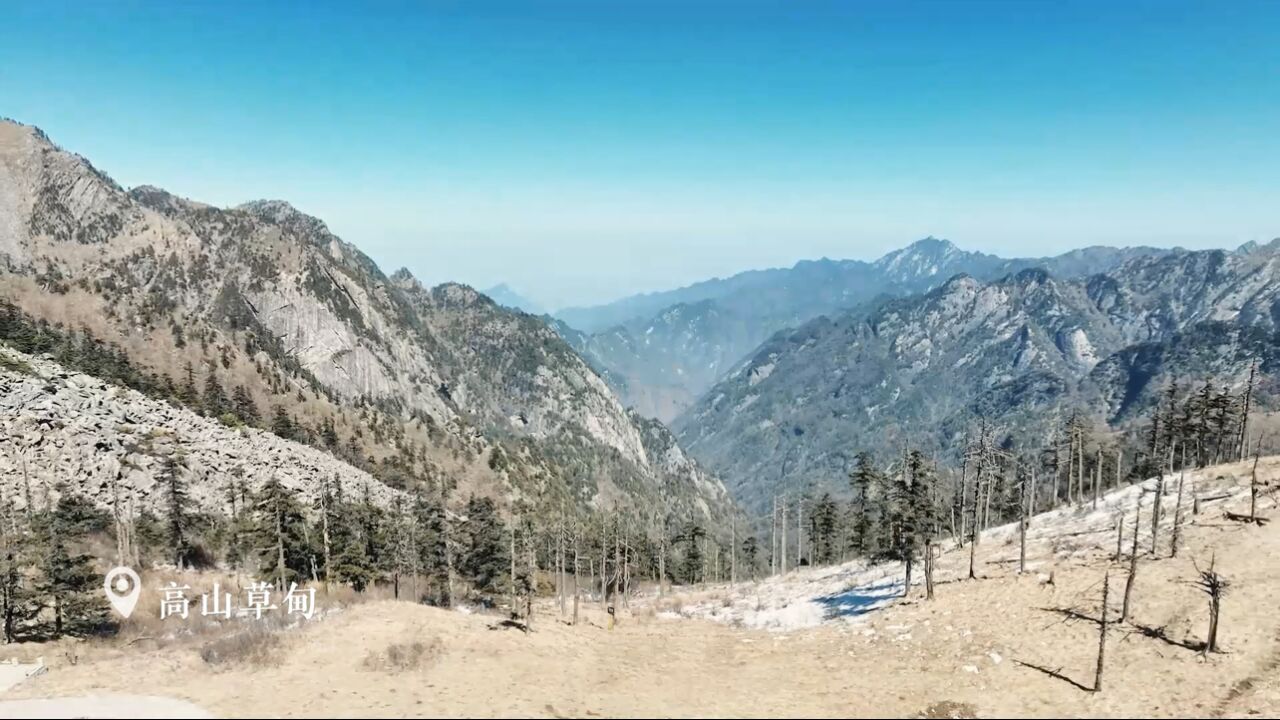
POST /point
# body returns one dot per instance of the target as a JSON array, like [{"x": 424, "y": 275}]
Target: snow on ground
[{"x": 810, "y": 596}]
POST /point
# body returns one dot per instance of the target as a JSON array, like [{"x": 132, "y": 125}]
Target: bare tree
[
  {"x": 1133, "y": 562},
  {"x": 1119, "y": 536},
  {"x": 928, "y": 568},
  {"x": 575, "y": 574},
  {"x": 1155, "y": 509},
  {"x": 1253, "y": 481},
  {"x": 1244, "y": 412},
  {"x": 1215, "y": 586},
  {"x": 1177, "y": 510},
  {"x": 1023, "y": 522},
  {"x": 1102, "y": 633}
]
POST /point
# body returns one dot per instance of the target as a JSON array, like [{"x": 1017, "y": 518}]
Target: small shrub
[
  {"x": 15, "y": 365},
  {"x": 258, "y": 645},
  {"x": 403, "y": 657}
]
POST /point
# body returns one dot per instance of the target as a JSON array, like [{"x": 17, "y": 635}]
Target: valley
[{"x": 691, "y": 653}]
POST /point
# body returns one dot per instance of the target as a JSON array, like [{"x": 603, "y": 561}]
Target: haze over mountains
[
  {"x": 1021, "y": 351},
  {"x": 772, "y": 379},
  {"x": 663, "y": 350}
]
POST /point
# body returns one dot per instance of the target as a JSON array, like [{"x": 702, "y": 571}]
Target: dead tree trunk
[
  {"x": 1215, "y": 586},
  {"x": 1155, "y": 514},
  {"x": 733, "y": 550},
  {"x": 1177, "y": 509},
  {"x": 1133, "y": 563},
  {"x": 1102, "y": 634},
  {"x": 773, "y": 537},
  {"x": 1119, "y": 536},
  {"x": 1253, "y": 483},
  {"x": 1022, "y": 528},
  {"x": 575, "y": 575},
  {"x": 783, "y": 554},
  {"x": 1097, "y": 479},
  {"x": 928, "y": 569}
]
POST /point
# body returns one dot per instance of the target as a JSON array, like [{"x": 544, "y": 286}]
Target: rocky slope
[
  {"x": 664, "y": 350},
  {"x": 1017, "y": 350},
  {"x": 413, "y": 384},
  {"x": 60, "y": 427}
]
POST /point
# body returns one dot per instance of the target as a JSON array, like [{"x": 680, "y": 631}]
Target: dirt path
[{"x": 101, "y": 706}]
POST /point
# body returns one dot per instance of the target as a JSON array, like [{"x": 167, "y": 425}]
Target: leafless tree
[
  {"x": 1177, "y": 510},
  {"x": 1133, "y": 563},
  {"x": 1214, "y": 586},
  {"x": 1102, "y": 633},
  {"x": 1253, "y": 480}
]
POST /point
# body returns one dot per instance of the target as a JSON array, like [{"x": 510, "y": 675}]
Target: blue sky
[{"x": 582, "y": 151}]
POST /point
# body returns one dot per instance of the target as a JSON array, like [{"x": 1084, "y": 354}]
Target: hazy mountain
[
  {"x": 660, "y": 361},
  {"x": 1017, "y": 350},
  {"x": 438, "y": 386},
  {"x": 506, "y": 296}
]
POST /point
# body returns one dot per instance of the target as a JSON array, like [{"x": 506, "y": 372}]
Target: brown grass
[
  {"x": 259, "y": 644},
  {"x": 404, "y": 657}
]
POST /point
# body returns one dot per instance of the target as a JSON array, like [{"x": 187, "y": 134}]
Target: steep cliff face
[
  {"x": 1017, "y": 351},
  {"x": 428, "y": 384}
]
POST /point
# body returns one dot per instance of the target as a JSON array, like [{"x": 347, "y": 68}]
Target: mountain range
[
  {"x": 1021, "y": 350},
  {"x": 661, "y": 351},
  {"x": 770, "y": 379},
  {"x": 438, "y": 388}
]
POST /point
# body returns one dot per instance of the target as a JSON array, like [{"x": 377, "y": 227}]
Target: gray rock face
[
  {"x": 1017, "y": 350},
  {"x": 62, "y": 429},
  {"x": 662, "y": 351},
  {"x": 432, "y": 381}
]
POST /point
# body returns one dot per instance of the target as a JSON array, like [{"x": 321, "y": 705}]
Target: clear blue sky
[{"x": 586, "y": 150}]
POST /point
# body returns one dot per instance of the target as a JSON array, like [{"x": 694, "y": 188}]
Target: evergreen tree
[
  {"x": 280, "y": 535},
  {"x": 19, "y": 603},
  {"x": 484, "y": 560},
  {"x": 912, "y": 517},
  {"x": 215, "y": 399},
  {"x": 691, "y": 570},
  {"x": 750, "y": 554},
  {"x": 244, "y": 407},
  {"x": 178, "y": 506},
  {"x": 431, "y": 528},
  {"x": 67, "y": 577},
  {"x": 824, "y": 521},
  {"x": 866, "y": 481},
  {"x": 282, "y": 424},
  {"x": 187, "y": 393}
]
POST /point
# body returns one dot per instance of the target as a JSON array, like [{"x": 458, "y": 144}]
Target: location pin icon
[{"x": 122, "y": 586}]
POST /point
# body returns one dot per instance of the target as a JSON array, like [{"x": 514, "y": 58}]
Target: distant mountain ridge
[
  {"x": 1018, "y": 350},
  {"x": 661, "y": 351},
  {"x": 506, "y": 296}
]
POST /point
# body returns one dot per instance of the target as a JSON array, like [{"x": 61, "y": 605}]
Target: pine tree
[
  {"x": 750, "y": 553},
  {"x": 187, "y": 393},
  {"x": 866, "y": 481},
  {"x": 178, "y": 507},
  {"x": 282, "y": 424},
  {"x": 19, "y": 603},
  {"x": 484, "y": 559},
  {"x": 215, "y": 399},
  {"x": 280, "y": 535},
  {"x": 67, "y": 577},
  {"x": 431, "y": 527},
  {"x": 244, "y": 407},
  {"x": 824, "y": 520}
]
